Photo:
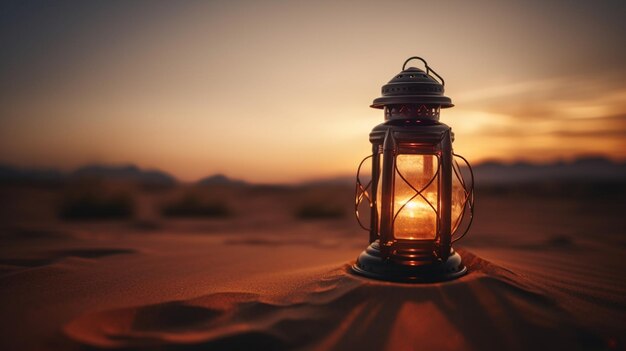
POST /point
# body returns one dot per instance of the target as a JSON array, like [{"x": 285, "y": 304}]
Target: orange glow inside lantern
[{"x": 416, "y": 215}]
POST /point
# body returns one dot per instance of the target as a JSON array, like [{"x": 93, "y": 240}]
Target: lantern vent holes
[
  {"x": 411, "y": 122},
  {"x": 415, "y": 112},
  {"x": 399, "y": 76}
]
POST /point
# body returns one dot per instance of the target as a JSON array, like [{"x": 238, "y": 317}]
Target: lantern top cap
[{"x": 414, "y": 86}]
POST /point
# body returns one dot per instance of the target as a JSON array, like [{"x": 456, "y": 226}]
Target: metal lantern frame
[{"x": 412, "y": 101}]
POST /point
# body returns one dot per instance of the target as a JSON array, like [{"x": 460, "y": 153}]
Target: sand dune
[
  {"x": 545, "y": 273},
  {"x": 491, "y": 308}
]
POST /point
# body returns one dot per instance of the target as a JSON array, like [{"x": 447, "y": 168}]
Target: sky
[{"x": 279, "y": 91}]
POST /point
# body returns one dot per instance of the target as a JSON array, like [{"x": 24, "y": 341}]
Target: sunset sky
[{"x": 279, "y": 91}]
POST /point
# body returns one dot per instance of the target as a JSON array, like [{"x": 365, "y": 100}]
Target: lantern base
[{"x": 371, "y": 264}]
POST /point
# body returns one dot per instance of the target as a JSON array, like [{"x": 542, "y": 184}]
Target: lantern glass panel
[{"x": 416, "y": 197}]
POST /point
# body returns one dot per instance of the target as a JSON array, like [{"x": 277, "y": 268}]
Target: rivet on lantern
[{"x": 418, "y": 198}]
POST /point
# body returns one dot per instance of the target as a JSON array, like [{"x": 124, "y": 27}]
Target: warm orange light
[
  {"x": 416, "y": 215},
  {"x": 416, "y": 219}
]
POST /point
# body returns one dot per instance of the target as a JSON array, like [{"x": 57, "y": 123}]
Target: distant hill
[
  {"x": 126, "y": 172},
  {"x": 220, "y": 179},
  {"x": 589, "y": 169},
  {"x": 586, "y": 169},
  {"x": 10, "y": 174}
]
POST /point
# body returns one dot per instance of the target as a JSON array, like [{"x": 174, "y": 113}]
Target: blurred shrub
[
  {"x": 192, "y": 205},
  {"x": 94, "y": 205},
  {"x": 320, "y": 211}
]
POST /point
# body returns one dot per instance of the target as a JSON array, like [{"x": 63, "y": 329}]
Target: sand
[{"x": 543, "y": 275}]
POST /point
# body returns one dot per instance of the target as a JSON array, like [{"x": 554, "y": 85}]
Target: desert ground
[{"x": 111, "y": 265}]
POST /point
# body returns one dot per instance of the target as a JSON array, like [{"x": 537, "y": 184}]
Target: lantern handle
[{"x": 428, "y": 69}]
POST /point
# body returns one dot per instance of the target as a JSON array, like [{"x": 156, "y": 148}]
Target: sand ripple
[{"x": 489, "y": 309}]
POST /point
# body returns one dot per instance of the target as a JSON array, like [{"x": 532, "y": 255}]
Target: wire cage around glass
[{"x": 418, "y": 200}]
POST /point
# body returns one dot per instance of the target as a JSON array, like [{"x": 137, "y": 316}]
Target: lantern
[{"x": 419, "y": 202}]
